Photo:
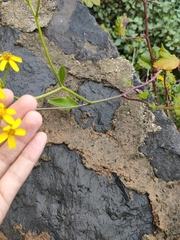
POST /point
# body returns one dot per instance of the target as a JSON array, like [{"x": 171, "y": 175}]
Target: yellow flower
[
  {"x": 6, "y": 60},
  {"x": 10, "y": 131},
  {"x": 5, "y": 112},
  {"x": 161, "y": 81},
  {"x": 2, "y": 94}
]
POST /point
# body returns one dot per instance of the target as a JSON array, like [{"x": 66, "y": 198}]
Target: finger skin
[
  {"x": 18, "y": 172},
  {"x": 9, "y": 97},
  {"x": 31, "y": 122},
  {"x": 23, "y": 105}
]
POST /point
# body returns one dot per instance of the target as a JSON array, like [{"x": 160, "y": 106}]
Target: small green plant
[
  {"x": 164, "y": 19},
  {"x": 90, "y": 3}
]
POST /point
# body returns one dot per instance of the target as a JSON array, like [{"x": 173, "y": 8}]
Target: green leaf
[
  {"x": 90, "y": 3},
  {"x": 117, "y": 42},
  {"x": 176, "y": 88},
  {"x": 155, "y": 51},
  {"x": 144, "y": 61},
  {"x": 152, "y": 106},
  {"x": 120, "y": 26},
  {"x": 96, "y": 2},
  {"x": 161, "y": 98},
  {"x": 167, "y": 61},
  {"x": 144, "y": 64},
  {"x": 143, "y": 95},
  {"x": 63, "y": 102},
  {"x": 171, "y": 78},
  {"x": 62, "y": 74},
  {"x": 145, "y": 57}
]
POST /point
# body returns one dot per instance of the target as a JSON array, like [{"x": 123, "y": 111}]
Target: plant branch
[
  {"x": 147, "y": 31},
  {"x": 166, "y": 94},
  {"x": 123, "y": 95},
  {"x": 42, "y": 39}
]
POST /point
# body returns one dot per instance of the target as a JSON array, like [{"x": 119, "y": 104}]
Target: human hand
[{"x": 16, "y": 164}]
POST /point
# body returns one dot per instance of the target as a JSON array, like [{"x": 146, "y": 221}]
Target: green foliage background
[{"x": 164, "y": 21}]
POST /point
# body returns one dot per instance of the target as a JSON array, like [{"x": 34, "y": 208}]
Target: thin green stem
[
  {"x": 167, "y": 108},
  {"x": 38, "y": 7},
  {"x": 47, "y": 53},
  {"x": 5, "y": 77},
  {"x": 43, "y": 42},
  {"x": 48, "y": 94},
  {"x": 76, "y": 95},
  {"x": 15, "y": 97},
  {"x": 31, "y": 7}
]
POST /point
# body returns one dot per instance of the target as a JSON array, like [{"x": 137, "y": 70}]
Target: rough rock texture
[
  {"x": 81, "y": 36},
  {"x": 162, "y": 151},
  {"x": 105, "y": 173},
  {"x": 100, "y": 121},
  {"x": 18, "y": 15},
  {"x": 92, "y": 207}
]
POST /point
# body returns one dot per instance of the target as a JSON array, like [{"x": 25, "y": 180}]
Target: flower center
[
  {"x": 6, "y": 56},
  {"x": 2, "y": 111},
  {"x": 11, "y": 132}
]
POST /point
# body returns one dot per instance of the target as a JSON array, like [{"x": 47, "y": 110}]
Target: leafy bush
[{"x": 164, "y": 19}]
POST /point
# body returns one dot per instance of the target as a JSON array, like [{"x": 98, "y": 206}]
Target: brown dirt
[
  {"x": 30, "y": 235},
  {"x": 2, "y": 236},
  {"x": 27, "y": 236}
]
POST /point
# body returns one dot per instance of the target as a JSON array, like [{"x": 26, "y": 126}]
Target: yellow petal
[
  {"x": 3, "y": 137},
  {"x": 20, "y": 132},
  {"x": 2, "y": 94},
  {"x": 16, "y": 58},
  {"x": 2, "y": 105},
  {"x": 8, "y": 119},
  {"x": 160, "y": 77},
  {"x": 11, "y": 142},
  {"x": 7, "y": 128},
  {"x": 16, "y": 123},
  {"x": 14, "y": 66},
  {"x": 10, "y": 111},
  {"x": 3, "y": 65}
]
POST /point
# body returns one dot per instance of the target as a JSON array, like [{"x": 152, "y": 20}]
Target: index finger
[{"x": 9, "y": 97}]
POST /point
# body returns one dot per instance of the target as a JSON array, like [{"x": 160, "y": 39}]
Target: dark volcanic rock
[
  {"x": 69, "y": 201},
  {"x": 97, "y": 116},
  {"x": 34, "y": 76},
  {"x": 162, "y": 148},
  {"x": 79, "y": 34}
]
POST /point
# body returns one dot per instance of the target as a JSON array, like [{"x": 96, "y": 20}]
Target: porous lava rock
[{"x": 109, "y": 171}]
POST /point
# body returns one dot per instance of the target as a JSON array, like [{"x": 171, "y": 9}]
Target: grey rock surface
[
  {"x": 163, "y": 149},
  {"x": 75, "y": 31},
  {"x": 98, "y": 116},
  {"x": 69, "y": 201}
]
